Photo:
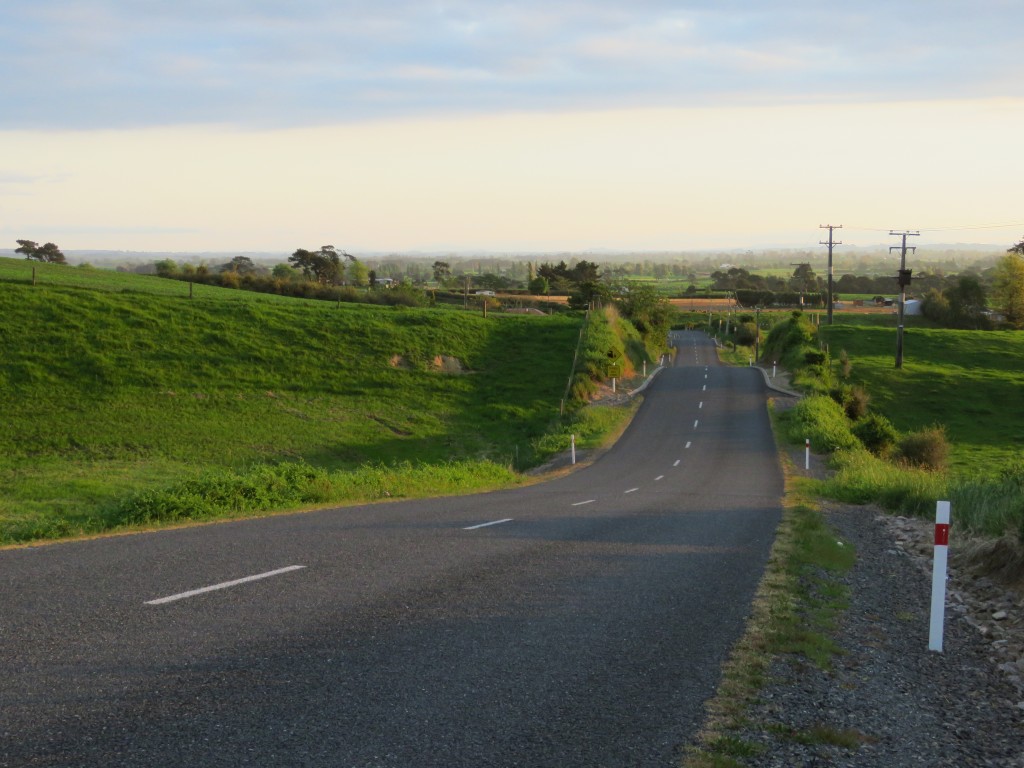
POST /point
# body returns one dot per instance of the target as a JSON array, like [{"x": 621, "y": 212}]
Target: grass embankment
[
  {"x": 890, "y": 430},
  {"x": 126, "y": 403}
]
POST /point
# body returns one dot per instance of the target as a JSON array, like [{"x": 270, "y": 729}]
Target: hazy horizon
[{"x": 533, "y": 127}]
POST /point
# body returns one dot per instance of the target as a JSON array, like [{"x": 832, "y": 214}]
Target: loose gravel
[{"x": 893, "y": 702}]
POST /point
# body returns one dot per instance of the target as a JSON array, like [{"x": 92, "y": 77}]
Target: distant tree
[
  {"x": 584, "y": 272},
  {"x": 358, "y": 274},
  {"x": 803, "y": 278},
  {"x": 538, "y": 286},
  {"x": 591, "y": 292},
  {"x": 284, "y": 272},
  {"x": 649, "y": 311},
  {"x": 1008, "y": 286},
  {"x": 166, "y": 268},
  {"x": 322, "y": 266},
  {"x": 553, "y": 272},
  {"x": 241, "y": 265},
  {"x": 493, "y": 282},
  {"x": 302, "y": 261},
  {"x": 967, "y": 302},
  {"x": 47, "y": 252},
  {"x": 442, "y": 271},
  {"x": 935, "y": 306},
  {"x": 27, "y": 247}
]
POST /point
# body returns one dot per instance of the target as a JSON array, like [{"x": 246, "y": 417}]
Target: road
[{"x": 579, "y": 622}]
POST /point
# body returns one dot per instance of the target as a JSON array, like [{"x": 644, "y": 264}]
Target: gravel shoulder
[
  {"x": 891, "y": 700},
  {"x": 902, "y": 704}
]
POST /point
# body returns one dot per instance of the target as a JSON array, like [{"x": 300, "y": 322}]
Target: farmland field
[
  {"x": 111, "y": 383},
  {"x": 971, "y": 382}
]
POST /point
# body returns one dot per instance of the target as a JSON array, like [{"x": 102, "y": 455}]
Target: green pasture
[
  {"x": 111, "y": 384},
  {"x": 971, "y": 382}
]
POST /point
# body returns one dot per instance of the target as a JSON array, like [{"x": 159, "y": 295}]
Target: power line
[{"x": 961, "y": 228}]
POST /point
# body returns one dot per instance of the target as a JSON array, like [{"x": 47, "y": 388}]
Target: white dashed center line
[
  {"x": 677, "y": 461},
  {"x": 688, "y": 444},
  {"x": 484, "y": 525},
  {"x": 631, "y": 490},
  {"x": 223, "y": 585},
  {"x": 581, "y": 503},
  {"x": 659, "y": 477}
]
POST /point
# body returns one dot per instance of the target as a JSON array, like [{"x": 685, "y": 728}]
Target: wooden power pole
[
  {"x": 904, "y": 280},
  {"x": 830, "y": 245}
]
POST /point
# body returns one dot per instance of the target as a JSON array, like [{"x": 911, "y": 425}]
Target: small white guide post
[
  {"x": 939, "y": 576},
  {"x": 572, "y": 445},
  {"x": 807, "y": 453}
]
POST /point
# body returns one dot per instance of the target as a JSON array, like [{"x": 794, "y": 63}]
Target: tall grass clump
[
  {"x": 926, "y": 448},
  {"x": 592, "y": 427},
  {"x": 876, "y": 433},
  {"x": 991, "y": 506},
  {"x": 222, "y": 492},
  {"x": 862, "y": 478},
  {"x": 821, "y": 419},
  {"x": 219, "y": 494}
]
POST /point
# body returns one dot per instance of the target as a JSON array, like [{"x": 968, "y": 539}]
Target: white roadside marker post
[
  {"x": 807, "y": 453},
  {"x": 939, "y": 563},
  {"x": 572, "y": 445}
]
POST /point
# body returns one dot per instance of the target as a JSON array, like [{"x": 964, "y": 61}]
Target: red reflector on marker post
[{"x": 939, "y": 567}]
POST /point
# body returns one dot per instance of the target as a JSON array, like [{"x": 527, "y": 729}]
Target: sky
[{"x": 395, "y": 126}]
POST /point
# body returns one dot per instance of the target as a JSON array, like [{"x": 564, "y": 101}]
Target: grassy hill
[
  {"x": 112, "y": 383},
  {"x": 972, "y": 382}
]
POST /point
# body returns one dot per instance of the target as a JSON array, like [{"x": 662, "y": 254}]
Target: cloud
[{"x": 261, "y": 63}]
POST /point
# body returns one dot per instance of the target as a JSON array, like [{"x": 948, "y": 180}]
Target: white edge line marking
[
  {"x": 677, "y": 463},
  {"x": 223, "y": 585},
  {"x": 581, "y": 503},
  {"x": 484, "y": 525},
  {"x": 631, "y": 490},
  {"x": 659, "y": 477}
]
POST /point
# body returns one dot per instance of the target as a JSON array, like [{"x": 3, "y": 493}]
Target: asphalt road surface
[{"x": 579, "y": 622}]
